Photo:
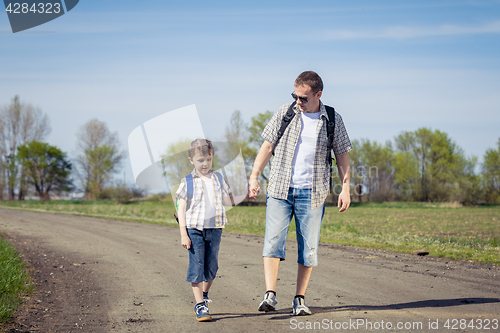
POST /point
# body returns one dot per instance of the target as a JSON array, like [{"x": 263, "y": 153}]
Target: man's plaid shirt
[
  {"x": 195, "y": 215},
  {"x": 281, "y": 167}
]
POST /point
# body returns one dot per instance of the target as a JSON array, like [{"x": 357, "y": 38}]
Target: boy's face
[{"x": 202, "y": 163}]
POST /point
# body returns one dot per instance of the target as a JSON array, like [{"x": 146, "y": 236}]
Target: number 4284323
[{"x": 40, "y": 8}]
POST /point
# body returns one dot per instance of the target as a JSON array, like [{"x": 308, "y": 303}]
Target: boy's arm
[
  {"x": 185, "y": 240},
  {"x": 226, "y": 201},
  {"x": 229, "y": 199}
]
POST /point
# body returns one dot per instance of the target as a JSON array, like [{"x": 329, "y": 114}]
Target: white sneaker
[
  {"x": 268, "y": 303},
  {"x": 300, "y": 308}
]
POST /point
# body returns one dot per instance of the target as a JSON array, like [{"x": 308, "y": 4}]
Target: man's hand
[
  {"x": 344, "y": 201},
  {"x": 263, "y": 157},
  {"x": 186, "y": 241},
  {"x": 253, "y": 189},
  {"x": 345, "y": 177}
]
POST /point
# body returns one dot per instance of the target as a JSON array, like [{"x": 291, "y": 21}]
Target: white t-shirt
[
  {"x": 209, "y": 196},
  {"x": 303, "y": 159}
]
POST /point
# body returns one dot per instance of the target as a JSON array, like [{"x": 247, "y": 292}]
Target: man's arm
[
  {"x": 263, "y": 157},
  {"x": 345, "y": 176}
]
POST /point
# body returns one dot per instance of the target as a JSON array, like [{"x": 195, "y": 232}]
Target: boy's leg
[
  {"x": 198, "y": 291},
  {"x": 207, "y": 285},
  {"x": 212, "y": 244},
  {"x": 196, "y": 259}
]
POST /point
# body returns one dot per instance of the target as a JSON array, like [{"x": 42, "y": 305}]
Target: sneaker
[
  {"x": 201, "y": 312},
  {"x": 268, "y": 303},
  {"x": 206, "y": 299},
  {"x": 300, "y": 308}
]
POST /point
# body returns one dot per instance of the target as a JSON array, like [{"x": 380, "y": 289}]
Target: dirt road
[{"x": 97, "y": 275}]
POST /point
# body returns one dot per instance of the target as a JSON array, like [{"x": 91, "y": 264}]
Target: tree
[
  {"x": 357, "y": 174},
  {"x": 175, "y": 162},
  {"x": 19, "y": 124},
  {"x": 406, "y": 174},
  {"x": 440, "y": 161},
  {"x": 99, "y": 156},
  {"x": 491, "y": 175},
  {"x": 47, "y": 168},
  {"x": 237, "y": 137},
  {"x": 373, "y": 169}
]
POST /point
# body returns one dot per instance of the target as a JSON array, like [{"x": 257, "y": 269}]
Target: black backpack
[{"x": 330, "y": 128}]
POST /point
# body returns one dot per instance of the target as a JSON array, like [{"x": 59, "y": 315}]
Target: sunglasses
[{"x": 302, "y": 99}]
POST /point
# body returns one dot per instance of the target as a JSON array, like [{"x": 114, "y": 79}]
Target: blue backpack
[{"x": 190, "y": 190}]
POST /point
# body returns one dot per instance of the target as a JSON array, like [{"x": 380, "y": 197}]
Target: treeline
[
  {"x": 423, "y": 165},
  {"x": 29, "y": 166}
]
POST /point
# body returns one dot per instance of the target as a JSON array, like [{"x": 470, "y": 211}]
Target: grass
[
  {"x": 445, "y": 230},
  {"x": 14, "y": 281}
]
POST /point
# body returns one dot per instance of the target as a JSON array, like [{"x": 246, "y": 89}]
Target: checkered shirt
[
  {"x": 195, "y": 215},
  {"x": 281, "y": 166}
]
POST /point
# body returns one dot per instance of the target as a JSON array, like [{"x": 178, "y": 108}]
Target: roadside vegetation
[
  {"x": 14, "y": 281},
  {"x": 443, "y": 229}
]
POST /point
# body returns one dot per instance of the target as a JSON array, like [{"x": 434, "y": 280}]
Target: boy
[{"x": 201, "y": 223}]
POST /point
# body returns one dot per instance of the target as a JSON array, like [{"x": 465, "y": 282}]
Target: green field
[
  {"x": 14, "y": 281},
  {"x": 471, "y": 233}
]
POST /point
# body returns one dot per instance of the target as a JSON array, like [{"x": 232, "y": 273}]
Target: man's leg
[
  {"x": 303, "y": 276},
  {"x": 271, "y": 266},
  {"x": 308, "y": 226},
  {"x": 278, "y": 217}
]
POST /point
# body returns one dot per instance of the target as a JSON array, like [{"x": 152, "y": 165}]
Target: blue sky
[{"x": 388, "y": 66}]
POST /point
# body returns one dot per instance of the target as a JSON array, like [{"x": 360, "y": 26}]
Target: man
[{"x": 299, "y": 184}]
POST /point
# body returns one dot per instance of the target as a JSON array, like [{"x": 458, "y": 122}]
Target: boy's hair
[
  {"x": 202, "y": 146},
  {"x": 312, "y": 79}
]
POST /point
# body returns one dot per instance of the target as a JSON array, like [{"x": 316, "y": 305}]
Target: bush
[
  {"x": 120, "y": 194},
  {"x": 158, "y": 197}
]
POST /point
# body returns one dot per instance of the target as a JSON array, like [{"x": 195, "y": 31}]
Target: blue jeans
[
  {"x": 203, "y": 254},
  {"x": 279, "y": 214}
]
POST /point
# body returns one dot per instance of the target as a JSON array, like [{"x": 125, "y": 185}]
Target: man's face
[
  {"x": 202, "y": 163},
  {"x": 312, "y": 104}
]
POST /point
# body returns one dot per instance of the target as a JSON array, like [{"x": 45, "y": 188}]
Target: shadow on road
[{"x": 287, "y": 313}]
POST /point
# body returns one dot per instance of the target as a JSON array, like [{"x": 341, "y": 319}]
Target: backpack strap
[
  {"x": 330, "y": 132},
  {"x": 221, "y": 184},
  {"x": 287, "y": 118},
  {"x": 330, "y": 129},
  {"x": 189, "y": 183}
]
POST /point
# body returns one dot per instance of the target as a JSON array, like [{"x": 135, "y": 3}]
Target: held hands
[
  {"x": 253, "y": 189},
  {"x": 186, "y": 241},
  {"x": 344, "y": 201}
]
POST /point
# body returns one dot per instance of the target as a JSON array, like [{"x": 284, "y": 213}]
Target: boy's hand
[{"x": 186, "y": 241}]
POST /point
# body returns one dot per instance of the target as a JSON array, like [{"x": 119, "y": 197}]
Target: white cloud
[{"x": 405, "y": 32}]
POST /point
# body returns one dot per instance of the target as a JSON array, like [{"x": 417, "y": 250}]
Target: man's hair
[
  {"x": 312, "y": 79},
  {"x": 202, "y": 146}
]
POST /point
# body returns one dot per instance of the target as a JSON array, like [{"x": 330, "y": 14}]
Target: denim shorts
[
  {"x": 203, "y": 254},
  {"x": 279, "y": 213}
]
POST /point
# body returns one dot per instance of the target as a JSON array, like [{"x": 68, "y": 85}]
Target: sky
[{"x": 387, "y": 66}]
